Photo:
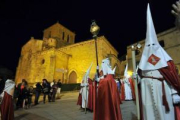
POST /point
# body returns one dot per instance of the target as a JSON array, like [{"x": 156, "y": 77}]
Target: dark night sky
[{"x": 122, "y": 22}]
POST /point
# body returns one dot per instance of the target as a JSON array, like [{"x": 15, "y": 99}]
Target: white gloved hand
[
  {"x": 86, "y": 84},
  {"x": 176, "y": 98},
  {"x": 134, "y": 76}
]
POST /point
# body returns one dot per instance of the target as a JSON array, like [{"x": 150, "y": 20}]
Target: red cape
[
  {"x": 171, "y": 76},
  {"x": 79, "y": 102},
  {"x": 132, "y": 88},
  {"x": 108, "y": 100},
  {"x": 7, "y": 108},
  {"x": 122, "y": 92},
  {"x": 90, "y": 95}
]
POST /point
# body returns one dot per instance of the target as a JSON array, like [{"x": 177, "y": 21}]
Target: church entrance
[{"x": 73, "y": 77}]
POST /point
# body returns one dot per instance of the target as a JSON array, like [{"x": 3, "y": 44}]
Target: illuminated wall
[{"x": 43, "y": 59}]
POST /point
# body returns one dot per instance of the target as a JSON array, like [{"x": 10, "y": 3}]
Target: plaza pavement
[{"x": 66, "y": 109}]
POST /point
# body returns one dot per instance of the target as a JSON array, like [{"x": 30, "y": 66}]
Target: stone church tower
[{"x": 57, "y": 56}]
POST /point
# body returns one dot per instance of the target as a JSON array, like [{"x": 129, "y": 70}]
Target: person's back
[{"x": 59, "y": 84}]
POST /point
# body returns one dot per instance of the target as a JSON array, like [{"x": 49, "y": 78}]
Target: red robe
[
  {"x": 132, "y": 88},
  {"x": 7, "y": 108},
  {"x": 108, "y": 100},
  {"x": 90, "y": 95},
  {"x": 79, "y": 102},
  {"x": 94, "y": 98},
  {"x": 122, "y": 92},
  {"x": 171, "y": 76}
]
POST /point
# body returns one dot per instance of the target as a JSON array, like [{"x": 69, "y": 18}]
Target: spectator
[
  {"x": 20, "y": 91},
  {"x": 29, "y": 97},
  {"x": 46, "y": 90},
  {"x": 59, "y": 88},
  {"x": 37, "y": 93},
  {"x": 54, "y": 91}
]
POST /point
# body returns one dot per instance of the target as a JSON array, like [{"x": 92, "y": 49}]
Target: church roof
[
  {"x": 84, "y": 42},
  {"x": 58, "y": 25}
]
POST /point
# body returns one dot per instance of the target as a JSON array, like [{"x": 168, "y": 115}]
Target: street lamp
[
  {"x": 95, "y": 30},
  {"x": 133, "y": 49}
]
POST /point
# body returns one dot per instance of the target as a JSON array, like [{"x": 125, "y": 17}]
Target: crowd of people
[{"x": 23, "y": 93}]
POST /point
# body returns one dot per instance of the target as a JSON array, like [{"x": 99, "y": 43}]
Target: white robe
[
  {"x": 84, "y": 93},
  {"x": 151, "y": 92},
  {"x": 127, "y": 87},
  {"x": 9, "y": 88}
]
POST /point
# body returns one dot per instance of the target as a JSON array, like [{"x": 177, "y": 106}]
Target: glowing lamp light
[
  {"x": 94, "y": 29},
  {"x": 130, "y": 73}
]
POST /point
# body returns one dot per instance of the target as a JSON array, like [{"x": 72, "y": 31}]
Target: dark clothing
[
  {"x": 46, "y": 90},
  {"x": 29, "y": 97},
  {"x": 37, "y": 93},
  {"x": 59, "y": 84},
  {"x": 54, "y": 90},
  {"x": 23, "y": 94}
]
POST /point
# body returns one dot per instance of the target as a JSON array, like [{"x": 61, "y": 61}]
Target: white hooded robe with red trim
[{"x": 152, "y": 83}]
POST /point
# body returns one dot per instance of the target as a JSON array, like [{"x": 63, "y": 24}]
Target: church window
[
  {"x": 161, "y": 42},
  {"x": 43, "y": 61},
  {"x": 68, "y": 38},
  {"x": 137, "y": 52},
  {"x": 63, "y": 36}
]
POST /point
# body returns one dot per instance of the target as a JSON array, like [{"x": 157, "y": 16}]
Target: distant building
[
  {"x": 169, "y": 40},
  {"x": 57, "y": 56}
]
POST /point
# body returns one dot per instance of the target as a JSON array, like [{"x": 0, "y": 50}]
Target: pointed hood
[
  {"x": 126, "y": 71},
  {"x": 104, "y": 65},
  {"x": 88, "y": 71},
  {"x": 110, "y": 71},
  {"x": 114, "y": 70},
  {"x": 86, "y": 76},
  {"x": 153, "y": 56}
]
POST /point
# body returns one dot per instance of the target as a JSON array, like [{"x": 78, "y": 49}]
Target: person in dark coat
[
  {"x": 21, "y": 90},
  {"x": 59, "y": 84},
  {"x": 54, "y": 91},
  {"x": 37, "y": 93},
  {"x": 46, "y": 90}
]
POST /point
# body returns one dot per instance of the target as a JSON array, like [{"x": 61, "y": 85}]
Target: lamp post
[
  {"x": 134, "y": 48},
  {"x": 95, "y": 30}
]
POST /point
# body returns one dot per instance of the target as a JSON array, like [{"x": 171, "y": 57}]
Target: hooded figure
[
  {"x": 108, "y": 99},
  {"x": 6, "y": 102},
  {"x": 159, "y": 81},
  {"x": 84, "y": 89},
  {"x": 127, "y": 85}
]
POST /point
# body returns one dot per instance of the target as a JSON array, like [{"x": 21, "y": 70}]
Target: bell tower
[{"x": 61, "y": 34}]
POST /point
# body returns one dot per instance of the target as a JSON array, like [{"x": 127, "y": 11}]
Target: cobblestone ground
[{"x": 66, "y": 109}]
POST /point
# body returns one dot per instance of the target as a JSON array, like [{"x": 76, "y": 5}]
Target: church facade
[{"x": 57, "y": 56}]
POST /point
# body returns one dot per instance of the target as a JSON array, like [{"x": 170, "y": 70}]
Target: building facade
[
  {"x": 57, "y": 56},
  {"x": 169, "y": 40}
]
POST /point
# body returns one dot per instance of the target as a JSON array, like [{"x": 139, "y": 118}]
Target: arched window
[
  {"x": 73, "y": 77},
  {"x": 43, "y": 61}
]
